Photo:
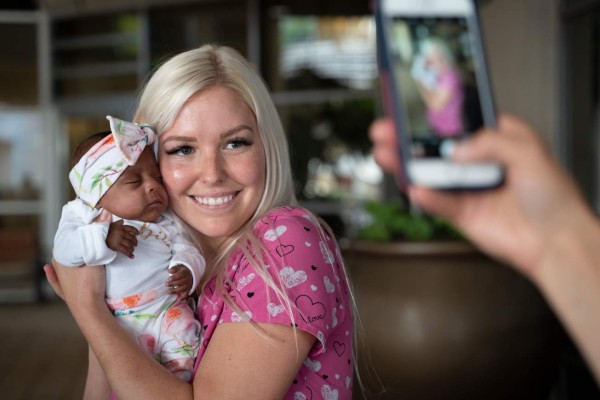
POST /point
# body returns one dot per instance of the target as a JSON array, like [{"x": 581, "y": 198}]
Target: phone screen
[{"x": 438, "y": 72}]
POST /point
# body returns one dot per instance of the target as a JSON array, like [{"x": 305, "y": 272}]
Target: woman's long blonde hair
[{"x": 161, "y": 100}]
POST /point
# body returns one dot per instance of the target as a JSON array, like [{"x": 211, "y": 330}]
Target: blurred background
[{"x": 66, "y": 64}]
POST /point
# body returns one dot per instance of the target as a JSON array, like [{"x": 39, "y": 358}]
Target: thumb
[
  {"x": 119, "y": 222},
  {"x": 447, "y": 205},
  {"x": 486, "y": 145},
  {"x": 503, "y": 144}
]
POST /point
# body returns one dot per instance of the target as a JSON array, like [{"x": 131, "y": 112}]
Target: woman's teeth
[{"x": 214, "y": 201}]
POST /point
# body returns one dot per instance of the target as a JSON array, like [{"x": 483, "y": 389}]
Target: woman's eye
[
  {"x": 237, "y": 143},
  {"x": 180, "y": 151}
]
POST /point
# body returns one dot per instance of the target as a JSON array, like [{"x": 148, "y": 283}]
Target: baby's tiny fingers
[
  {"x": 181, "y": 289},
  {"x": 176, "y": 269},
  {"x": 130, "y": 240},
  {"x": 131, "y": 230},
  {"x": 127, "y": 251},
  {"x": 176, "y": 281}
]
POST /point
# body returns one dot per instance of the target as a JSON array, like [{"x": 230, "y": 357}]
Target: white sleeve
[
  {"x": 79, "y": 242},
  {"x": 184, "y": 252}
]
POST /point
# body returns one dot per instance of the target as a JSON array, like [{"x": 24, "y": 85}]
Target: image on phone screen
[{"x": 435, "y": 71}]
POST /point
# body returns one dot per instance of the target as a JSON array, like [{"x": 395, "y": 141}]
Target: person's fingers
[
  {"x": 443, "y": 204},
  {"x": 487, "y": 145},
  {"x": 506, "y": 144},
  {"x": 180, "y": 274},
  {"x": 385, "y": 148},
  {"x": 131, "y": 230},
  {"x": 123, "y": 248},
  {"x": 130, "y": 237},
  {"x": 514, "y": 126},
  {"x": 382, "y": 131},
  {"x": 184, "y": 281},
  {"x": 176, "y": 268},
  {"x": 53, "y": 280},
  {"x": 178, "y": 289},
  {"x": 129, "y": 241}
]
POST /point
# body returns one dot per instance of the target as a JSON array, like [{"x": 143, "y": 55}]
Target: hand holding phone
[{"x": 436, "y": 87}]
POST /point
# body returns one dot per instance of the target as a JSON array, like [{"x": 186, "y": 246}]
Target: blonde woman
[
  {"x": 275, "y": 304},
  {"x": 441, "y": 87}
]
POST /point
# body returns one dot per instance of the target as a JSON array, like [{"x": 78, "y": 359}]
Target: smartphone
[{"x": 436, "y": 87}]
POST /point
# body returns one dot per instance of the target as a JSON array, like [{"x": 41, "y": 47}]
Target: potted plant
[
  {"x": 443, "y": 321},
  {"x": 388, "y": 221}
]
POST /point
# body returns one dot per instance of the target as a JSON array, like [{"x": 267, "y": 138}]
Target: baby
[{"x": 120, "y": 207}]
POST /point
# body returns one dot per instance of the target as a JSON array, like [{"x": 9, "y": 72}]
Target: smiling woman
[{"x": 275, "y": 304}]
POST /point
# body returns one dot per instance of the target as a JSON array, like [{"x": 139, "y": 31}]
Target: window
[{"x": 323, "y": 73}]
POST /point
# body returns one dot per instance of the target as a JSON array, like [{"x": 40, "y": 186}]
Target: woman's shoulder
[
  {"x": 291, "y": 219},
  {"x": 294, "y": 235},
  {"x": 287, "y": 212}
]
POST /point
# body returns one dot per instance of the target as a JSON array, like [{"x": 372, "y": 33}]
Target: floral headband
[{"x": 104, "y": 163}]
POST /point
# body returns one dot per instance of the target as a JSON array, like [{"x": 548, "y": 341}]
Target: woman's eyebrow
[
  {"x": 235, "y": 130},
  {"x": 227, "y": 133},
  {"x": 179, "y": 138}
]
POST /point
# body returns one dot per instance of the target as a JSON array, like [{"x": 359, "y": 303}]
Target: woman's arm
[
  {"x": 239, "y": 363},
  {"x": 96, "y": 384},
  {"x": 132, "y": 373},
  {"x": 569, "y": 276}
]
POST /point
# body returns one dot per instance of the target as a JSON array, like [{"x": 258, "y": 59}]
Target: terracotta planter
[{"x": 442, "y": 321}]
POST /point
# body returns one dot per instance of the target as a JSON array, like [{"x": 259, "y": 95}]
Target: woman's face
[
  {"x": 435, "y": 60},
  {"x": 213, "y": 164}
]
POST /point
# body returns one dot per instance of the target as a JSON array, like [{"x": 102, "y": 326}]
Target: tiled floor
[{"x": 43, "y": 355}]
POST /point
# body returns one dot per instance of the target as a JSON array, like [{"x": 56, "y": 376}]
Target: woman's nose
[{"x": 210, "y": 169}]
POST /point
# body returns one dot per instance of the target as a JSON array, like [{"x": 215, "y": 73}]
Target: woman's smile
[{"x": 220, "y": 200}]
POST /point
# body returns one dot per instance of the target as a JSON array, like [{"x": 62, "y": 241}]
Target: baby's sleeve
[{"x": 78, "y": 242}]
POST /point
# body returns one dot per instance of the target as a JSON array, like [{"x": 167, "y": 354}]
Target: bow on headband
[{"x": 104, "y": 163}]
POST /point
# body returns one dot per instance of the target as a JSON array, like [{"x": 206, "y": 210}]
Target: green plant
[{"x": 389, "y": 221}]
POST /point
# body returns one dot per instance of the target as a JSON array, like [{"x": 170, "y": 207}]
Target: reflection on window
[
  {"x": 96, "y": 54},
  {"x": 21, "y": 155},
  {"x": 331, "y": 150},
  {"x": 175, "y": 29},
  {"x": 326, "y": 52}
]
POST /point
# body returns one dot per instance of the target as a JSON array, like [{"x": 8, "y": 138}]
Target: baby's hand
[
  {"x": 180, "y": 282},
  {"x": 122, "y": 238}
]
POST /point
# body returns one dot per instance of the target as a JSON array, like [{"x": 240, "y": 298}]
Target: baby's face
[{"x": 139, "y": 193}]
